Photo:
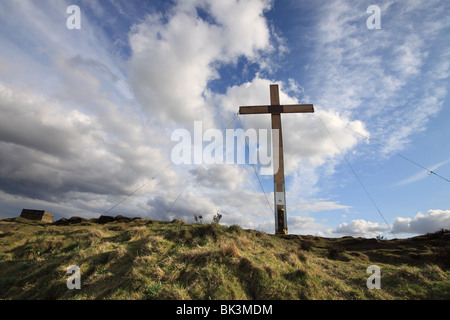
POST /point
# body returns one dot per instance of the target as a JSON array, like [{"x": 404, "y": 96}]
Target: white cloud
[
  {"x": 409, "y": 56},
  {"x": 420, "y": 224},
  {"x": 303, "y": 225},
  {"x": 363, "y": 73},
  {"x": 78, "y": 138},
  {"x": 306, "y": 139},
  {"x": 299, "y": 130},
  {"x": 174, "y": 60},
  {"x": 219, "y": 176},
  {"x": 360, "y": 228},
  {"x": 319, "y": 205},
  {"x": 432, "y": 221},
  {"x": 309, "y": 151}
]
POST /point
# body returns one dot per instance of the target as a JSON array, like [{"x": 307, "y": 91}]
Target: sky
[{"x": 90, "y": 101}]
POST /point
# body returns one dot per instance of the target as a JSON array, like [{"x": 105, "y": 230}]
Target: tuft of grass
[
  {"x": 230, "y": 251},
  {"x": 151, "y": 290}
]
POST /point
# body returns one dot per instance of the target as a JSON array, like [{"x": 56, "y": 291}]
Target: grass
[{"x": 148, "y": 260}]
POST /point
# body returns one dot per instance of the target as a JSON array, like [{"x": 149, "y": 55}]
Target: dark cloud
[{"x": 48, "y": 151}]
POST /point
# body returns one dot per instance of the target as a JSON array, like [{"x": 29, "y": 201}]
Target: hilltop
[{"x": 146, "y": 259}]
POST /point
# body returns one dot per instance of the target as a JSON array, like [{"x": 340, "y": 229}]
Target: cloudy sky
[{"x": 88, "y": 114}]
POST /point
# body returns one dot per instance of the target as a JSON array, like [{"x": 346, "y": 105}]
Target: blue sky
[{"x": 87, "y": 114}]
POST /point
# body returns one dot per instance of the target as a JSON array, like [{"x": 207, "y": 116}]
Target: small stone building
[{"x": 40, "y": 215}]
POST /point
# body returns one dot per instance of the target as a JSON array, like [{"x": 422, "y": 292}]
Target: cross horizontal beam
[{"x": 275, "y": 109}]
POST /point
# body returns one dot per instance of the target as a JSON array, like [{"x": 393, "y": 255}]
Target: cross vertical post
[
  {"x": 278, "y": 178},
  {"x": 275, "y": 109}
]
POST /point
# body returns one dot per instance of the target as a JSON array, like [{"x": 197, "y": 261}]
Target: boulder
[
  {"x": 38, "y": 215},
  {"x": 105, "y": 219}
]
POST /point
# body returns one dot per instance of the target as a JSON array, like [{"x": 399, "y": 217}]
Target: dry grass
[
  {"x": 161, "y": 260},
  {"x": 230, "y": 250}
]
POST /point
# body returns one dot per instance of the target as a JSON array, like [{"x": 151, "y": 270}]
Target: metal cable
[
  {"x": 254, "y": 169},
  {"x": 356, "y": 176}
]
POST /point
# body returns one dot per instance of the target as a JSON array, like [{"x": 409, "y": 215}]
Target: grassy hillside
[{"x": 145, "y": 259}]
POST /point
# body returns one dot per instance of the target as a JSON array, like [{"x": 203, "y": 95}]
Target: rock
[
  {"x": 37, "y": 215},
  {"x": 72, "y": 220},
  {"x": 105, "y": 219},
  {"x": 123, "y": 219},
  {"x": 101, "y": 220},
  {"x": 61, "y": 222}
]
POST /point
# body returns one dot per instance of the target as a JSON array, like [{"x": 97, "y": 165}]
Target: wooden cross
[{"x": 275, "y": 109}]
